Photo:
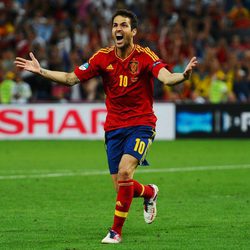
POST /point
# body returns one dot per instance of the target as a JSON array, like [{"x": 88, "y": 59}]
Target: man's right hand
[{"x": 31, "y": 65}]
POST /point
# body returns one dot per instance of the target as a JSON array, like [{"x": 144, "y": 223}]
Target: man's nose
[{"x": 118, "y": 28}]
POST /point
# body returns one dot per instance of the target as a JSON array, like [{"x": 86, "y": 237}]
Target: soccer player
[{"x": 127, "y": 70}]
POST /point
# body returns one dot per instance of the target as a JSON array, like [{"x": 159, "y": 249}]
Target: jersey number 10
[{"x": 123, "y": 81}]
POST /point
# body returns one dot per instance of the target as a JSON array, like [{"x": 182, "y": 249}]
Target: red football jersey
[{"x": 128, "y": 85}]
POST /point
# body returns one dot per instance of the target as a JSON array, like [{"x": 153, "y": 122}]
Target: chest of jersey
[{"x": 123, "y": 75}]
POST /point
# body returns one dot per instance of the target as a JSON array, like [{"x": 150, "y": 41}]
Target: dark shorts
[{"x": 134, "y": 141}]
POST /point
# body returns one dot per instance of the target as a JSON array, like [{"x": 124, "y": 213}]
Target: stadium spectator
[
  {"x": 218, "y": 91},
  {"x": 6, "y": 88},
  {"x": 201, "y": 80},
  {"x": 21, "y": 91},
  {"x": 242, "y": 84},
  {"x": 127, "y": 71},
  {"x": 239, "y": 15}
]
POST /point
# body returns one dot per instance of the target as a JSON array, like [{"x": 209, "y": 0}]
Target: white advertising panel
[
  {"x": 165, "y": 126},
  {"x": 69, "y": 121}
]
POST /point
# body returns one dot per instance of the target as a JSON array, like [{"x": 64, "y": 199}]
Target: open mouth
[{"x": 119, "y": 38}]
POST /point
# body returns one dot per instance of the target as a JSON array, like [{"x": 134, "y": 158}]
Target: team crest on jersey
[
  {"x": 133, "y": 66},
  {"x": 84, "y": 66}
]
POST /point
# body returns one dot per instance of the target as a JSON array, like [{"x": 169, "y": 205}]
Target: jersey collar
[{"x": 132, "y": 51}]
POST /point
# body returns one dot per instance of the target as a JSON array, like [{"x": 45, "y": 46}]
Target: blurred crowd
[{"x": 65, "y": 33}]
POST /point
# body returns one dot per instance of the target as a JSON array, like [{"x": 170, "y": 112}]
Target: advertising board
[{"x": 70, "y": 121}]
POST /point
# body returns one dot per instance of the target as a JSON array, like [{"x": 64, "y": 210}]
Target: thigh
[
  {"x": 139, "y": 142},
  {"x": 114, "y": 141},
  {"x": 134, "y": 141}
]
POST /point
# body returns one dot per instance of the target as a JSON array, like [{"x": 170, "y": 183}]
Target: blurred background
[
  {"x": 54, "y": 193},
  {"x": 65, "y": 33}
]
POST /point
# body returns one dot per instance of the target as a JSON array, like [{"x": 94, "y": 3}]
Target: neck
[{"x": 124, "y": 52}]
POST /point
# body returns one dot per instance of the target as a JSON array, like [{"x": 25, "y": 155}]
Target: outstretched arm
[
  {"x": 171, "y": 79},
  {"x": 34, "y": 66}
]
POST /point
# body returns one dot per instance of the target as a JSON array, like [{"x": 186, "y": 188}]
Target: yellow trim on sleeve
[
  {"x": 104, "y": 50},
  {"x": 151, "y": 54}
]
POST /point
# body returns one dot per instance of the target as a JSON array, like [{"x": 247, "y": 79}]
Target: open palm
[{"x": 31, "y": 65}]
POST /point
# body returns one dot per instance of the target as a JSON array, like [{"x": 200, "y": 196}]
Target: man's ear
[{"x": 134, "y": 31}]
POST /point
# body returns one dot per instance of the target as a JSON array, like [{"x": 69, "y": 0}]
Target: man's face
[{"x": 122, "y": 33}]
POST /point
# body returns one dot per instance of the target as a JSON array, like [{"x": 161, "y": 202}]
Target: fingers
[
  {"x": 194, "y": 60},
  {"x": 22, "y": 62},
  {"x": 19, "y": 63},
  {"x": 32, "y": 56},
  {"x": 193, "y": 63},
  {"x": 20, "y": 59}
]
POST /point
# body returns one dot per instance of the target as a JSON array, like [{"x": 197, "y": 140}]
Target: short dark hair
[{"x": 127, "y": 13}]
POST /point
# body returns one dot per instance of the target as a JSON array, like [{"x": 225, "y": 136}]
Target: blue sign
[{"x": 188, "y": 122}]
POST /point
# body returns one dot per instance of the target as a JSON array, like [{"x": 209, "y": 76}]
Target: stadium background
[
  {"x": 57, "y": 194},
  {"x": 64, "y": 33}
]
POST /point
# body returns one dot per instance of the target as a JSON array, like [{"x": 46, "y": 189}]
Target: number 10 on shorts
[{"x": 139, "y": 145}]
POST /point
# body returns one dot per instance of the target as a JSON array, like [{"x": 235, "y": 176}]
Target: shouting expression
[{"x": 122, "y": 32}]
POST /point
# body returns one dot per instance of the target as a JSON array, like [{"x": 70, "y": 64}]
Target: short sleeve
[
  {"x": 89, "y": 69},
  {"x": 156, "y": 66},
  {"x": 154, "y": 62}
]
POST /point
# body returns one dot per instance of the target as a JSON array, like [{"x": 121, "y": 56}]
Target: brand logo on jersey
[
  {"x": 84, "y": 66},
  {"x": 133, "y": 66},
  {"x": 110, "y": 67}
]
